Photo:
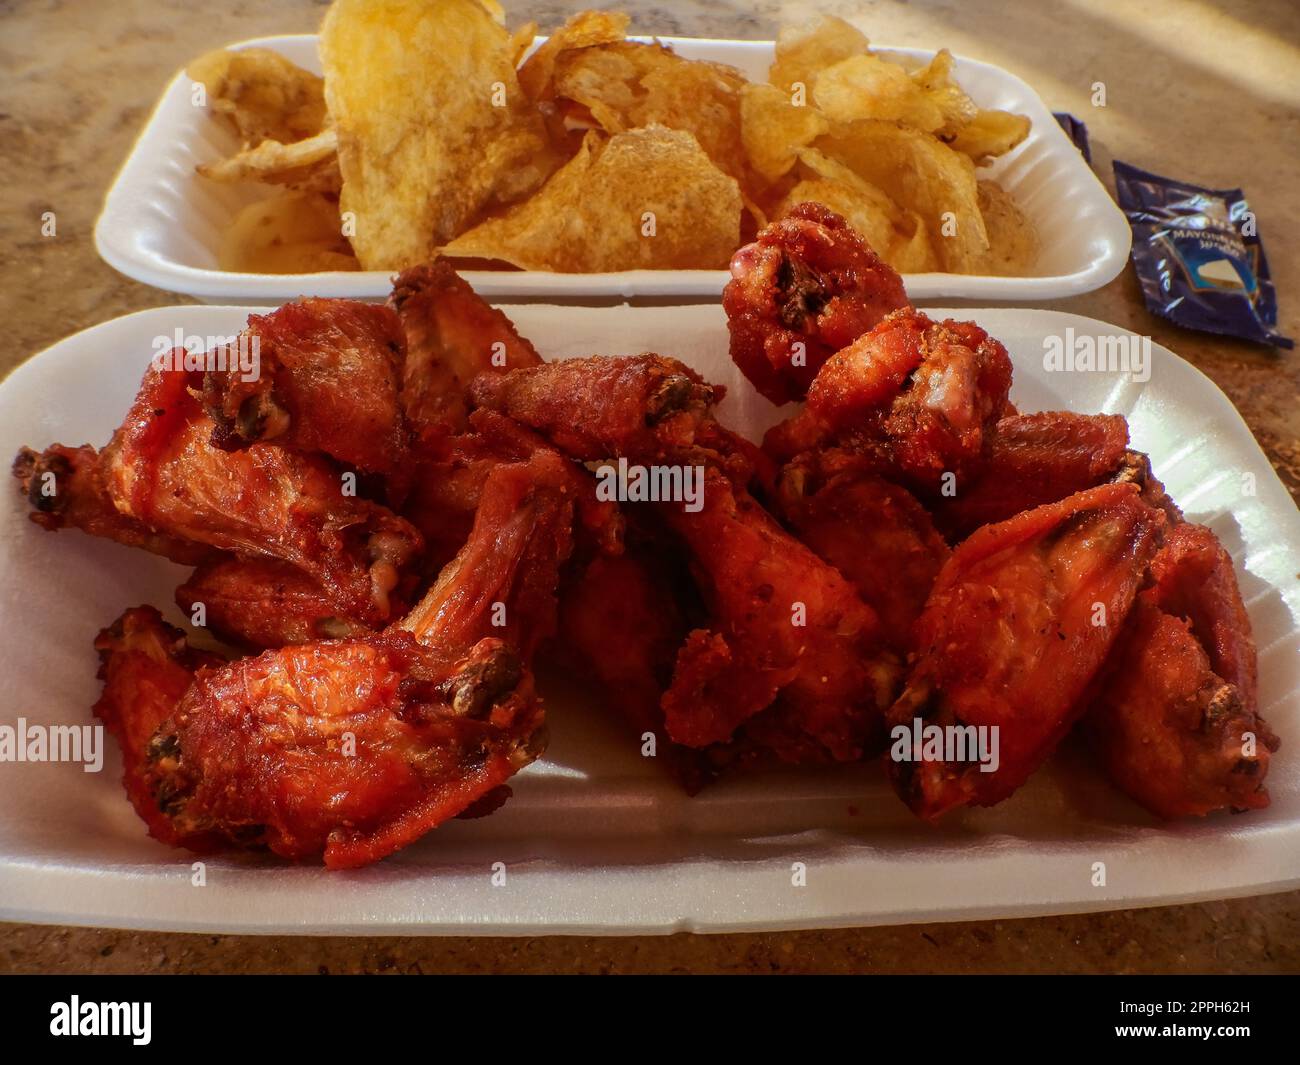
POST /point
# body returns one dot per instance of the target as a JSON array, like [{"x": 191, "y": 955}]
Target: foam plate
[
  {"x": 161, "y": 222},
  {"x": 596, "y": 840}
]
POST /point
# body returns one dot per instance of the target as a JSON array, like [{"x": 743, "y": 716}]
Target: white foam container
[
  {"x": 161, "y": 222},
  {"x": 596, "y": 839}
]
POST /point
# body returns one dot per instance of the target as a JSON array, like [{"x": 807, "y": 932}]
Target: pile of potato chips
[{"x": 431, "y": 133}]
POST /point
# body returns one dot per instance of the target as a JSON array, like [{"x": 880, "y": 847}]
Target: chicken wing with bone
[
  {"x": 66, "y": 489},
  {"x": 161, "y": 484},
  {"x": 1017, "y": 627},
  {"x": 452, "y": 336},
  {"x": 806, "y": 288},
  {"x": 622, "y": 619},
  {"x": 259, "y": 603},
  {"x": 1176, "y": 723},
  {"x": 326, "y": 378},
  {"x": 1030, "y": 460},
  {"x": 913, "y": 399},
  {"x": 791, "y": 657},
  {"x": 874, "y": 532},
  {"x": 262, "y": 501},
  {"x": 352, "y": 748},
  {"x": 147, "y": 667}
]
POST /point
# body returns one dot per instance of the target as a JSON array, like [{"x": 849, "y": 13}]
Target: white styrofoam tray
[
  {"x": 161, "y": 222},
  {"x": 596, "y": 840}
]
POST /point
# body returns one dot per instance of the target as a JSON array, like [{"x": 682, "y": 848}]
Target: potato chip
[
  {"x": 433, "y": 128},
  {"x": 922, "y": 175},
  {"x": 262, "y": 94},
  {"x": 290, "y": 233},
  {"x": 866, "y": 214},
  {"x": 897, "y": 235},
  {"x": 605, "y": 80},
  {"x": 645, "y": 199},
  {"x": 990, "y": 134},
  {"x": 630, "y": 85},
  {"x": 521, "y": 40},
  {"x": 802, "y": 52},
  {"x": 866, "y": 86},
  {"x": 773, "y": 130},
  {"x": 1013, "y": 242},
  {"x": 915, "y": 254},
  {"x": 822, "y": 165},
  {"x": 310, "y": 165},
  {"x": 936, "y": 81},
  {"x": 980, "y": 134},
  {"x": 583, "y": 30}
]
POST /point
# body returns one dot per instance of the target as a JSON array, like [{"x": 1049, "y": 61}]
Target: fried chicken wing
[
  {"x": 621, "y": 618},
  {"x": 1176, "y": 722},
  {"x": 604, "y": 407},
  {"x": 262, "y": 501},
  {"x": 1018, "y": 624},
  {"x": 1030, "y": 460},
  {"x": 261, "y": 603},
  {"x": 918, "y": 398},
  {"x": 325, "y": 379},
  {"x": 349, "y": 748},
  {"x": 452, "y": 335},
  {"x": 354, "y": 748},
  {"x": 785, "y": 631},
  {"x": 147, "y": 668},
  {"x": 66, "y": 489},
  {"x": 1170, "y": 732},
  {"x": 1194, "y": 579},
  {"x": 508, "y": 569},
  {"x": 805, "y": 288},
  {"x": 875, "y": 533}
]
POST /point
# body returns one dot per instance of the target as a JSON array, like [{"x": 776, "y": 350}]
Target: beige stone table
[{"x": 1201, "y": 90}]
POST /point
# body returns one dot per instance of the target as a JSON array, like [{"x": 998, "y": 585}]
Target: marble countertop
[{"x": 1194, "y": 89}]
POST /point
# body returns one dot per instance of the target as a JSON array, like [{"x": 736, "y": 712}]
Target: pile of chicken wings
[{"x": 400, "y": 513}]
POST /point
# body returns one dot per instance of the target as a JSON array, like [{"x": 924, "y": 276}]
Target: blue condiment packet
[
  {"x": 1198, "y": 256},
  {"x": 1077, "y": 132}
]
